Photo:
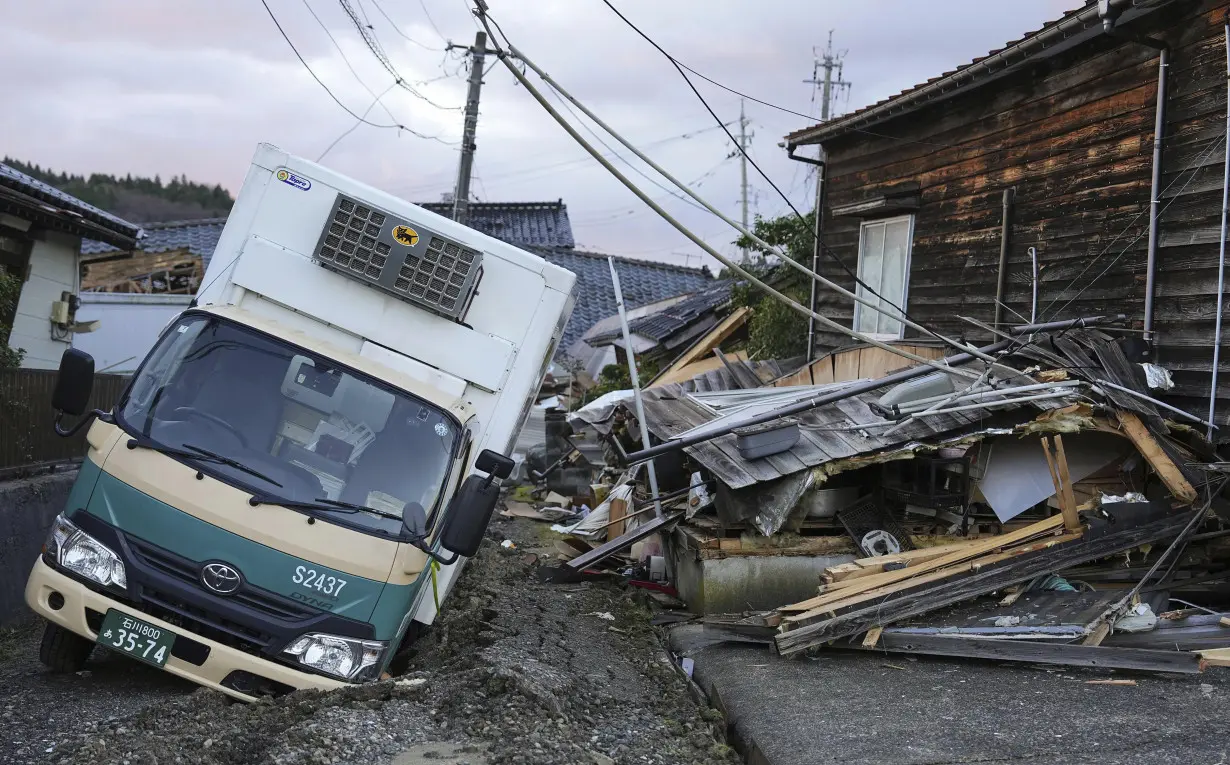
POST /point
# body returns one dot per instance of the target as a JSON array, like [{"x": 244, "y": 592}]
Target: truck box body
[{"x": 494, "y": 358}]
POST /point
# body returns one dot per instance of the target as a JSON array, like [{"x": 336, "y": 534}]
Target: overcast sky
[{"x": 191, "y": 86}]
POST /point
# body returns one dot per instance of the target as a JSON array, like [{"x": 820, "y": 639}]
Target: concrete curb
[{"x": 27, "y": 508}]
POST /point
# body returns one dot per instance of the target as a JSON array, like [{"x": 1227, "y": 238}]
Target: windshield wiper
[
  {"x": 223, "y": 459},
  {"x": 321, "y": 503},
  {"x": 197, "y": 453}
]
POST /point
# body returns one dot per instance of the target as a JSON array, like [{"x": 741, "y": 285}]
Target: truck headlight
[
  {"x": 78, "y": 552},
  {"x": 347, "y": 658}
]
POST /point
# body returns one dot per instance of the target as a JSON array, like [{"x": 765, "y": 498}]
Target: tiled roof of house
[
  {"x": 198, "y": 237},
  {"x": 642, "y": 282},
  {"x": 525, "y": 224},
  {"x": 60, "y": 202},
  {"x": 662, "y": 324}
]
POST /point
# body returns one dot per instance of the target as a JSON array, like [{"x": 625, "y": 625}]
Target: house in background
[
  {"x": 134, "y": 292},
  {"x": 944, "y": 195},
  {"x": 41, "y": 233}
]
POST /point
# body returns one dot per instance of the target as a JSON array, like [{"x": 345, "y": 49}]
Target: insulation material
[{"x": 1017, "y": 478}]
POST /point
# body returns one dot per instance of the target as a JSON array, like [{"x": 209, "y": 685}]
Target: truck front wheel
[{"x": 64, "y": 651}]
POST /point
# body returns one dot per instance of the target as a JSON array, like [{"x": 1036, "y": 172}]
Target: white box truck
[{"x": 289, "y": 486}]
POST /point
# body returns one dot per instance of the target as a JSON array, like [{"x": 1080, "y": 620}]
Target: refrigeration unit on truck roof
[{"x": 407, "y": 260}]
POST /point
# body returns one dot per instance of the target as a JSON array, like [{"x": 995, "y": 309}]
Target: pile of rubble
[{"x": 1033, "y": 500}]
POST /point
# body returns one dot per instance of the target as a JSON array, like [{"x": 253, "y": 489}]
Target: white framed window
[{"x": 884, "y": 266}]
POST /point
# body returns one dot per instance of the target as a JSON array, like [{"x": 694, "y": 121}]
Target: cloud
[{"x": 148, "y": 86}]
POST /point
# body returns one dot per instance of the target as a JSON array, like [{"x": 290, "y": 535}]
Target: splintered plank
[
  {"x": 1035, "y": 652},
  {"x": 1021, "y": 568},
  {"x": 1161, "y": 463},
  {"x": 1216, "y": 657},
  {"x": 845, "y": 572}
]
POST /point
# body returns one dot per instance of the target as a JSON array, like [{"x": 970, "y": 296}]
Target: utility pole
[
  {"x": 745, "y": 143},
  {"x": 829, "y": 89},
  {"x": 461, "y": 194}
]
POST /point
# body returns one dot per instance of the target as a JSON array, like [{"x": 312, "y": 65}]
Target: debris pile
[{"x": 1034, "y": 500}]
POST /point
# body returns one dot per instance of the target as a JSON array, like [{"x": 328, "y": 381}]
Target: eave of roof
[
  {"x": 57, "y": 209},
  {"x": 1071, "y": 29}
]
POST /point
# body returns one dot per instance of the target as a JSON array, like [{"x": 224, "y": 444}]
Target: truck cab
[{"x": 287, "y": 489}]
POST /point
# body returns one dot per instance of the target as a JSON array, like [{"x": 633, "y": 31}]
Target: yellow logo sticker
[{"x": 406, "y": 235}]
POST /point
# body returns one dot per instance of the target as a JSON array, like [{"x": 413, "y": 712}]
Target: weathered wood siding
[{"x": 1073, "y": 136}]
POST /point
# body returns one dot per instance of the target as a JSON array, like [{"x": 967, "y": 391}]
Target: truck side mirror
[
  {"x": 469, "y": 513},
  {"x": 74, "y": 383},
  {"x": 494, "y": 464}
]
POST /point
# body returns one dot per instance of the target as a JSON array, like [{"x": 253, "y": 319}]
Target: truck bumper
[{"x": 221, "y": 662}]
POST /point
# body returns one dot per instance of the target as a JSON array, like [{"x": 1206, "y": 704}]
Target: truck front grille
[{"x": 188, "y": 571}]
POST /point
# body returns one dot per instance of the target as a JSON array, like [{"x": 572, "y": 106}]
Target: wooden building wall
[{"x": 1074, "y": 136}]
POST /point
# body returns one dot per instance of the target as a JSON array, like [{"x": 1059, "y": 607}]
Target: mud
[{"x": 514, "y": 671}]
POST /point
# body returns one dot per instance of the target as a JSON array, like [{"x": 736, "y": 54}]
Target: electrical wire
[
  {"x": 735, "y": 267},
  {"x": 397, "y": 29},
  {"x": 814, "y": 234},
  {"x": 901, "y": 316},
  {"x": 353, "y": 127},
  {"x": 345, "y": 59},
  {"x": 314, "y": 77},
  {"x": 373, "y": 44}
]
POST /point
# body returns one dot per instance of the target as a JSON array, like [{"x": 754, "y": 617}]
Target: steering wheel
[{"x": 216, "y": 420}]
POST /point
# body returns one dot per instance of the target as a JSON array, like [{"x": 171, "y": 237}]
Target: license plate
[{"x": 133, "y": 637}]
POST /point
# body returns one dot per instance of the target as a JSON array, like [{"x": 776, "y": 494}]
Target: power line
[
  {"x": 799, "y": 215},
  {"x": 345, "y": 59},
  {"x": 373, "y": 44},
  {"x": 318, "y": 80},
  {"x": 397, "y": 29},
  {"x": 353, "y": 127}
]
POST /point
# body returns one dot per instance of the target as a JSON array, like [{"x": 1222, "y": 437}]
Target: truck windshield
[{"x": 289, "y": 423}]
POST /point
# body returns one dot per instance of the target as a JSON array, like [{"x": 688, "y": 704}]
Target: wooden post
[
  {"x": 1061, "y": 478},
  {"x": 619, "y": 512},
  {"x": 1158, "y": 459}
]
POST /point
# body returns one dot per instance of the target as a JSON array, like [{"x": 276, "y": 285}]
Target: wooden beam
[
  {"x": 1099, "y": 634},
  {"x": 1161, "y": 463},
  {"x": 618, "y": 514},
  {"x": 872, "y": 637},
  {"x": 981, "y": 547},
  {"x": 705, "y": 345},
  {"x": 1216, "y": 657},
  {"x": 1062, "y": 479},
  {"x": 1022, "y": 568},
  {"x": 1037, "y": 652},
  {"x": 835, "y": 576}
]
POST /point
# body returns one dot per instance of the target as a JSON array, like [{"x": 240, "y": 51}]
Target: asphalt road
[{"x": 890, "y": 710}]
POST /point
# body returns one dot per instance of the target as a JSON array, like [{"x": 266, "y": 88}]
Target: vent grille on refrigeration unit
[{"x": 434, "y": 272}]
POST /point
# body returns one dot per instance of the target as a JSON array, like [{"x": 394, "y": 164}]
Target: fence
[{"x": 26, "y": 434}]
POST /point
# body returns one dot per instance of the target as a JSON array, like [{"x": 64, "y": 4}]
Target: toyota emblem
[{"x": 220, "y": 578}]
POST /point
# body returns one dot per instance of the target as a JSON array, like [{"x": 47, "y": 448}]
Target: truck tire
[{"x": 64, "y": 651}]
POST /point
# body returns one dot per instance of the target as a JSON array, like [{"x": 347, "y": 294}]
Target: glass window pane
[
  {"x": 870, "y": 271},
  {"x": 896, "y": 252}
]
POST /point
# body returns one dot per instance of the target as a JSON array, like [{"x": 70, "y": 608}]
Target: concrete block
[{"x": 27, "y": 508}]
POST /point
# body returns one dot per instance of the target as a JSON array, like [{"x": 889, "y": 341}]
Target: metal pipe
[
  {"x": 636, "y": 383},
  {"x": 1005, "y": 237},
  {"x": 857, "y": 389},
  {"x": 821, "y": 177},
  {"x": 989, "y": 404},
  {"x": 1033, "y": 303},
  {"x": 1155, "y": 402},
  {"x": 1221, "y": 260},
  {"x": 918, "y": 406},
  {"x": 1110, "y": 14}
]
